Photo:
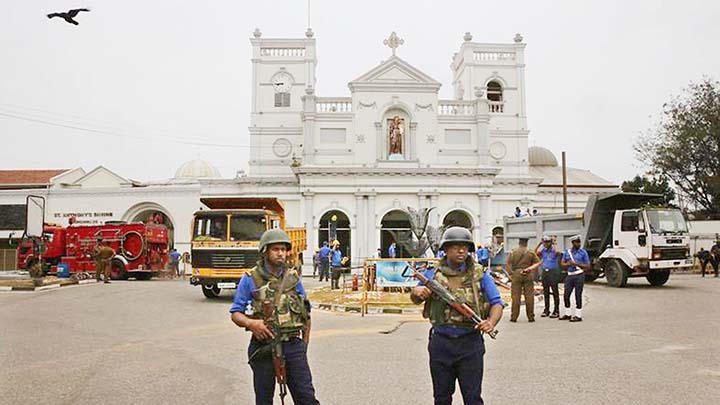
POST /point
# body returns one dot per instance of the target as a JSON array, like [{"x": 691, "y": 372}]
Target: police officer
[
  {"x": 103, "y": 255},
  {"x": 575, "y": 260},
  {"x": 292, "y": 312},
  {"x": 324, "y": 262},
  {"x": 550, "y": 275},
  {"x": 456, "y": 346},
  {"x": 521, "y": 263}
]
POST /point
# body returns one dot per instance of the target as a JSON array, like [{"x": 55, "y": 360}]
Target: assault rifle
[
  {"x": 278, "y": 359},
  {"x": 445, "y": 295}
]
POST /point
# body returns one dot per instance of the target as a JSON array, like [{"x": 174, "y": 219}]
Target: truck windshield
[
  {"x": 247, "y": 227},
  {"x": 666, "y": 221},
  {"x": 210, "y": 228}
]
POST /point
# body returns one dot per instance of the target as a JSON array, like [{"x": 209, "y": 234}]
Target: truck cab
[
  {"x": 647, "y": 241},
  {"x": 46, "y": 250},
  {"x": 224, "y": 244}
]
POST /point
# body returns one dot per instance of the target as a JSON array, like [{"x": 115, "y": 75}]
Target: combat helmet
[
  {"x": 457, "y": 234},
  {"x": 272, "y": 236}
]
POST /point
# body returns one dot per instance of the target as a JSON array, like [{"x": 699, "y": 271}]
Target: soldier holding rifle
[
  {"x": 271, "y": 303},
  {"x": 456, "y": 345}
]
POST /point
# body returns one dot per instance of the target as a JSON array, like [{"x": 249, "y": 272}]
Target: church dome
[
  {"x": 197, "y": 168},
  {"x": 539, "y": 156}
]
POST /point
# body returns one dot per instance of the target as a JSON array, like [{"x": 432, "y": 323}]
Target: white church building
[{"x": 360, "y": 159}]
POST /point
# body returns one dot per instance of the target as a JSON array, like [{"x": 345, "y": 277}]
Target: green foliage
[
  {"x": 660, "y": 185},
  {"x": 685, "y": 146}
]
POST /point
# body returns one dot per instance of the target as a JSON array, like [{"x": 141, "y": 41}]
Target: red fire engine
[{"x": 141, "y": 249}]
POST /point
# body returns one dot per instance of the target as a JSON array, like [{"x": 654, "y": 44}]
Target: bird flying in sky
[{"x": 69, "y": 15}]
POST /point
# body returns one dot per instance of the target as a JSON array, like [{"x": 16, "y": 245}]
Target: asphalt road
[{"x": 163, "y": 342}]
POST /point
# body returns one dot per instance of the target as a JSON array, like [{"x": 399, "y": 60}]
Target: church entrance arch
[
  {"x": 149, "y": 212},
  {"x": 395, "y": 223},
  {"x": 335, "y": 225},
  {"x": 458, "y": 218}
]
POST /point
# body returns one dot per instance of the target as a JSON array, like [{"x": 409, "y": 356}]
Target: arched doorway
[
  {"x": 395, "y": 223},
  {"x": 458, "y": 218},
  {"x": 335, "y": 225},
  {"x": 151, "y": 212}
]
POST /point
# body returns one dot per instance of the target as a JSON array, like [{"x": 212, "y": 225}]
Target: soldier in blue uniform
[
  {"x": 550, "y": 275},
  {"x": 456, "y": 345},
  {"x": 575, "y": 260},
  {"x": 292, "y": 310}
]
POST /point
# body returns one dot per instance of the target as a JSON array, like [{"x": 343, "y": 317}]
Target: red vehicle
[{"x": 141, "y": 249}]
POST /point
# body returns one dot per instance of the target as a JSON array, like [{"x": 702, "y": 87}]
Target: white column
[
  {"x": 485, "y": 222},
  {"x": 373, "y": 233},
  {"x": 310, "y": 227},
  {"x": 358, "y": 241},
  {"x": 434, "y": 219}
]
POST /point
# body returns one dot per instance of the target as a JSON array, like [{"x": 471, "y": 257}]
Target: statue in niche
[{"x": 396, "y": 130}]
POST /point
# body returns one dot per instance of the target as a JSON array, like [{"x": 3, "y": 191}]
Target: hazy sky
[{"x": 143, "y": 86}]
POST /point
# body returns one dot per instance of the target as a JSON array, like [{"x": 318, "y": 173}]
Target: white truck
[{"x": 623, "y": 236}]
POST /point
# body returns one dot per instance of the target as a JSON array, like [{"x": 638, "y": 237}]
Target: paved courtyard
[{"x": 162, "y": 342}]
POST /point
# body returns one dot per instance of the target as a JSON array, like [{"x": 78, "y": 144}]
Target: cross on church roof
[{"x": 393, "y": 41}]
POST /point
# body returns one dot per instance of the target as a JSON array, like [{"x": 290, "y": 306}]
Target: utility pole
[{"x": 564, "y": 174}]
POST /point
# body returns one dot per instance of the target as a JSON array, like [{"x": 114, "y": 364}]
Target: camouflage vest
[
  {"x": 291, "y": 312},
  {"x": 460, "y": 285}
]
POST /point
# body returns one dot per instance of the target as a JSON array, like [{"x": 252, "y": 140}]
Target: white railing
[
  {"x": 333, "y": 105},
  {"x": 496, "y": 107},
  {"x": 490, "y": 56},
  {"x": 282, "y": 51},
  {"x": 461, "y": 108}
]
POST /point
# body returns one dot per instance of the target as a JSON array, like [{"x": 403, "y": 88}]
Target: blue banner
[{"x": 389, "y": 274}]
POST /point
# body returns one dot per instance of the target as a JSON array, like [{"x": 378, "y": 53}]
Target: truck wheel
[
  {"x": 117, "y": 270},
  {"x": 211, "y": 291},
  {"x": 616, "y": 273},
  {"x": 658, "y": 277}
]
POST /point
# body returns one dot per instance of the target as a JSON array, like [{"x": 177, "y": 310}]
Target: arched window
[
  {"x": 457, "y": 218},
  {"x": 494, "y": 91},
  {"x": 395, "y": 226}
]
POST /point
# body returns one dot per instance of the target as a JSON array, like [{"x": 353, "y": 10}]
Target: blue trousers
[
  {"x": 456, "y": 359},
  {"x": 299, "y": 379},
  {"x": 575, "y": 283}
]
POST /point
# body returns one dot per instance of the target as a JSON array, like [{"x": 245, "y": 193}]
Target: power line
[
  {"x": 21, "y": 109},
  {"x": 117, "y": 134}
]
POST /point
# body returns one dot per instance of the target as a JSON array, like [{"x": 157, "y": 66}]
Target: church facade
[{"x": 356, "y": 162}]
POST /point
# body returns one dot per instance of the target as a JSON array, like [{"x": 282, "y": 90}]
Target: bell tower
[{"x": 282, "y": 68}]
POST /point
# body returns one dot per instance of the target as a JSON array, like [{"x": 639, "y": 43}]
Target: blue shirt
[
  {"x": 324, "y": 253},
  {"x": 440, "y": 254},
  {"x": 549, "y": 258},
  {"x": 175, "y": 256},
  {"x": 336, "y": 258},
  {"x": 483, "y": 255},
  {"x": 580, "y": 256},
  {"x": 392, "y": 251},
  {"x": 489, "y": 291},
  {"x": 245, "y": 289}
]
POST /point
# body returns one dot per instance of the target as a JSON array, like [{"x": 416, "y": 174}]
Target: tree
[
  {"x": 685, "y": 146},
  {"x": 659, "y": 185}
]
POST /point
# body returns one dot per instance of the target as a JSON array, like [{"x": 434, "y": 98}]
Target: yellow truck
[{"x": 225, "y": 240}]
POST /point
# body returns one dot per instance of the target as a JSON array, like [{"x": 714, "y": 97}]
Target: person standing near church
[
  {"x": 392, "y": 250},
  {"x": 103, "y": 254},
  {"x": 456, "y": 346},
  {"x": 575, "y": 260},
  {"x": 281, "y": 319},
  {"x": 550, "y": 275},
  {"x": 335, "y": 265},
  {"x": 324, "y": 262},
  {"x": 521, "y": 263}
]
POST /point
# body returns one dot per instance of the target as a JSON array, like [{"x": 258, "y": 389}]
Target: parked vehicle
[
  {"x": 225, "y": 240},
  {"x": 623, "y": 236}
]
